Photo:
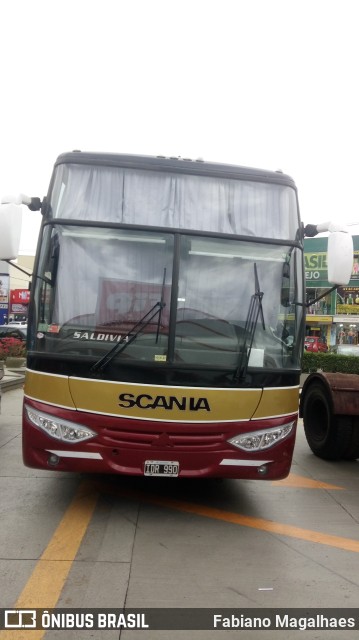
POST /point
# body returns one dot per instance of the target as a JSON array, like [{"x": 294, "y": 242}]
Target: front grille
[{"x": 184, "y": 441}]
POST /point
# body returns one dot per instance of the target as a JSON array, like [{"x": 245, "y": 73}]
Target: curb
[{"x": 13, "y": 379}]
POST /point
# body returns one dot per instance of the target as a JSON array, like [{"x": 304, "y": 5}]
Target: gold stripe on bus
[
  {"x": 278, "y": 401},
  {"x": 173, "y": 404},
  {"x": 48, "y": 388},
  {"x": 155, "y": 402}
]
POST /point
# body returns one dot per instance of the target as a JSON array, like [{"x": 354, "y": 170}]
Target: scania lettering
[
  {"x": 145, "y": 401},
  {"x": 166, "y": 319}
]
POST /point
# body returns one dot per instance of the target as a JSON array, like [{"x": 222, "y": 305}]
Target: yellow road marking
[
  {"x": 304, "y": 483},
  {"x": 45, "y": 584},
  {"x": 291, "y": 531}
]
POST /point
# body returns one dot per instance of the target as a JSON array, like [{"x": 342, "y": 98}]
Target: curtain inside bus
[{"x": 174, "y": 200}]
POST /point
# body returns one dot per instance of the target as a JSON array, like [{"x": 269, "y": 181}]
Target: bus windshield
[{"x": 166, "y": 297}]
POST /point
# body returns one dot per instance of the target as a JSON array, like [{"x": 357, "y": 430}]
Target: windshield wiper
[
  {"x": 132, "y": 334},
  {"x": 254, "y": 310},
  {"x": 162, "y": 304}
]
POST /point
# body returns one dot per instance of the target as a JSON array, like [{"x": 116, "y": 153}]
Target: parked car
[
  {"x": 314, "y": 343},
  {"x": 13, "y": 331}
]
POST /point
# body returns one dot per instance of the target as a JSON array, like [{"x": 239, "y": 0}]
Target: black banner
[{"x": 181, "y": 619}]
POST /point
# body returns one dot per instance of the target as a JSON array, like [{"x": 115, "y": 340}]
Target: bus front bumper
[{"x": 135, "y": 448}]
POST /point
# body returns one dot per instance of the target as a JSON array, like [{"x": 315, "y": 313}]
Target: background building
[
  {"x": 15, "y": 289},
  {"x": 336, "y": 317}
]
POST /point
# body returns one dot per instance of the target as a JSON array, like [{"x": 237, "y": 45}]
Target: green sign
[{"x": 316, "y": 269}]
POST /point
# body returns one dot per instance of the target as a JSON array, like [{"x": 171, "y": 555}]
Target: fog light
[
  {"x": 53, "y": 460},
  {"x": 263, "y": 470},
  {"x": 264, "y": 439}
]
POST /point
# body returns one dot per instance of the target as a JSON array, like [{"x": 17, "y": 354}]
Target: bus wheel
[{"x": 328, "y": 435}]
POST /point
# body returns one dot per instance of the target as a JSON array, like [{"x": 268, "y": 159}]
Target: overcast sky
[{"x": 265, "y": 83}]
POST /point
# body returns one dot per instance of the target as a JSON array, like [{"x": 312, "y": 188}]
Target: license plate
[{"x": 167, "y": 468}]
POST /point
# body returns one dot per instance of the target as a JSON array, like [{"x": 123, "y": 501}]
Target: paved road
[{"x": 104, "y": 541}]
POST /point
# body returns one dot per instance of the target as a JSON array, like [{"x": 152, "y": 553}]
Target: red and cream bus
[{"x": 166, "y": 320}]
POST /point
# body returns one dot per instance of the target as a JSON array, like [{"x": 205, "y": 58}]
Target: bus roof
[{"x": 175, "y": 164}]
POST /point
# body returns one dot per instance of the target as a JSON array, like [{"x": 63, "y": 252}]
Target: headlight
[
  {"x": 259, "y": 440},
  {"x": 63, "y": 430}
]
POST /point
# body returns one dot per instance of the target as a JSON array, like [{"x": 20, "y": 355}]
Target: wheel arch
[{"x": 342, "y": 389}]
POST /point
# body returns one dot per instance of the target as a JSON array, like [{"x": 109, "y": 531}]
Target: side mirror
[
  {"x": 340, "y": 257},
  {"x": 10, "y": 230}
]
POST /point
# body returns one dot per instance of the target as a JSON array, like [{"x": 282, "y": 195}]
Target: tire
[
  {"x": 352, "y": 452},
  {"x": 328, "y": 435}
]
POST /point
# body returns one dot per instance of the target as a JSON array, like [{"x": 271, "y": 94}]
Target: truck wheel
[
  {"x": 327, "y": 435},
  {"x": 352, "y": 452}
]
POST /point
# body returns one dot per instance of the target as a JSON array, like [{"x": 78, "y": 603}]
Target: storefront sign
[
  {"x": 18, "y": 308},
  {"x": 346, "y": 319},
  {"x": 318, "y": 318},
  {"x": 348, "y": 300},
  {"x": 316, "y": 268},
  {"x": 20, "y": 296},
  {"x": 4, "y": 297}
]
